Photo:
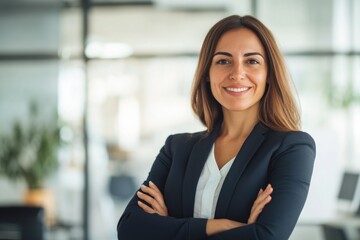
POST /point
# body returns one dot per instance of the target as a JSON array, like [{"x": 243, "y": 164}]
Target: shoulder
[
  {"x": 178, "y": 145},
  {"x": 285, "y": 137},
  {"x": 281, "y": 142},
  {"x": 293, "y": 138},
  {"x": 294, "y": 143},
  {"x": 185, "y": 139}
]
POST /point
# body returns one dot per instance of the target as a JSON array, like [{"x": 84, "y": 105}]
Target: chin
[{"x": 242, "y": 107}]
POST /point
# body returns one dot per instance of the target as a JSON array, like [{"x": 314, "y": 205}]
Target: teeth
[{"x": 237, "y": 89}]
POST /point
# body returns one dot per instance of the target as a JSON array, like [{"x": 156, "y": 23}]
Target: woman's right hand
[
  {"x": 262, "y": 199},
  {"x": 152, "y": 196}
]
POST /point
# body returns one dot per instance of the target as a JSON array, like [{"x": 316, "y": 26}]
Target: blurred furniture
[
  {"x": 22, "y": 223},
  {"x": 333, "y": 232},
  {"x": 349, "y": 193},
  {"x": 122, "y": 187},
  {"x": 346, "y": 224},
  {"x": 343, "y": 228},
  {"x": 64, "y": 231}
]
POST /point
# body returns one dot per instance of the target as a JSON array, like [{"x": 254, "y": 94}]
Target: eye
[
  {"x": 253, "y": 61},
  {"x": 222, "y": 61}
]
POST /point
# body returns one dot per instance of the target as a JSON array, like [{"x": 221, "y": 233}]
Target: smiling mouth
[{"x": 243, "y": 89}]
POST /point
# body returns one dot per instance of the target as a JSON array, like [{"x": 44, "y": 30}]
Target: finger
[
  {"x": 153, "y": 193},
  {"x": 146, "y": 208},
  {"x": 159, "y": 198},
  {"x": 148, "y": 190},
  {"x": 157, "y": 202},
  {"x": 268, "y": 189},
  {"x": 262, "y": 199},
  {"x": 158, "y": 208},
  {"x": 263, "y": 194},
  {"x": 260, "y": 204},
  {"x": 153, "y": 186},
  {"x": 256, "y": 210},
  {"x": 148, "y": 199},
  {"x": 259, "y": 207}
]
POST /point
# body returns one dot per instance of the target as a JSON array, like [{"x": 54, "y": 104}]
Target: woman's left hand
[
  {"x": 153, "y": 196},
  {"x": 263, "y": 198}
]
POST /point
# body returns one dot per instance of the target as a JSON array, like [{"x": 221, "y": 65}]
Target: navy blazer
[{"x": 283, "y": 159}]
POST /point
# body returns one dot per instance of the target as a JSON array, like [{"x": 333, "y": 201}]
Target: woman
[{"x": 209, "y": 185}]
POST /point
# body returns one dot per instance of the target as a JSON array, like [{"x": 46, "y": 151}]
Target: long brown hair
[{"x": 278, "y": 109}]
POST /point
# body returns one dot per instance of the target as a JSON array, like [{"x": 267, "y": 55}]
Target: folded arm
[
  {"x": 290, "y": 173},
  {"x": 135, "y": 223},
  {"x": 152, "y": 202}
]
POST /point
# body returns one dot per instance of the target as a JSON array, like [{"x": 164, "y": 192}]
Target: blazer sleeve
[
  {"x": 289, "y": 172},
  {"x": 136, "y": 224}
]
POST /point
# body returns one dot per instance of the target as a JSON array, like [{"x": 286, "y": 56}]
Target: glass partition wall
[{"x": 133, "y": 85}]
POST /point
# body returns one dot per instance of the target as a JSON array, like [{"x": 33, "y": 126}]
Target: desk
[
  {"x": 343, "y": 227},
  {"x": 22, "y": 222},
  {"x": 61, "y": 231}
]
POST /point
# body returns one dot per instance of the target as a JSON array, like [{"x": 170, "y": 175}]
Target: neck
[{"x": 238, "y": 124}]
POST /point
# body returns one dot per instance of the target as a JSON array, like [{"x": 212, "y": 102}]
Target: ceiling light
[{"x": 108, "y": 50}]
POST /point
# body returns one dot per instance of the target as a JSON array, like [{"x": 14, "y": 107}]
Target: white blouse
[{"x": 209, "y": 186}]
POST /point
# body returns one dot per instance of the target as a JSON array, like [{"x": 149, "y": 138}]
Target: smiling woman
[
  {"x": 247, "y": 176},
  {"x": 238, "y": 72},
  {"x": 278, "y": 95}
]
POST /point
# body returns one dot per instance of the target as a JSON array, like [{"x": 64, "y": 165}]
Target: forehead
[{"x": 241, "y": 39}]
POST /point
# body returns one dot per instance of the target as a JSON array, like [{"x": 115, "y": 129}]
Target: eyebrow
[
  {"x": 223, "y": 53},
  {"x": 246, "y": 54}
]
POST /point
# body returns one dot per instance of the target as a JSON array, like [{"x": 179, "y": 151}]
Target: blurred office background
[{"x": 118, "y": 74}]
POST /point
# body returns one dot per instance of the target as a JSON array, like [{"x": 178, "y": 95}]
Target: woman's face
[{"x": 238, "y": 71}]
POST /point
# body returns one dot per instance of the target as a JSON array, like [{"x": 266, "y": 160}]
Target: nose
[{"x": 238, "y": 72}]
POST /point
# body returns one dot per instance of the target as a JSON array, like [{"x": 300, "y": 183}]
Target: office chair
[
  {"x": 332, "y": 232},
  {"x": 122, "y": 187},
  {"x": 22, "y": 223}
]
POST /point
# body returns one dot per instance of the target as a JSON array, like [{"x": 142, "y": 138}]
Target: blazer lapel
[
  {"x": 194, "y": 167},
  {"x": 250, "y": 146}
]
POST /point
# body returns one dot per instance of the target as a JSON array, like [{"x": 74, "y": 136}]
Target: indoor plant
[{"x": 29, "y": 153}]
